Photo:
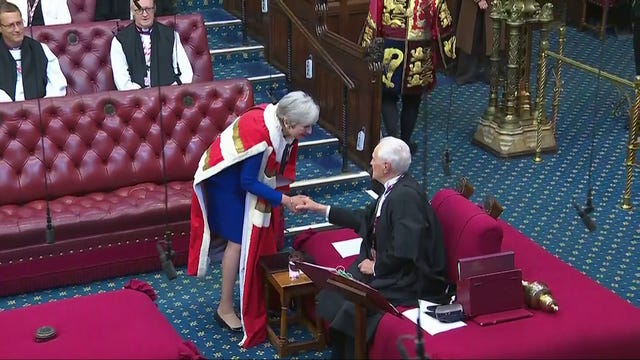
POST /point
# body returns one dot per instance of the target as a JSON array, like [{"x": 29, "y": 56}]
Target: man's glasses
[
  {"x": 17, "y": 24},
  {"x": 148, "y": 10}
]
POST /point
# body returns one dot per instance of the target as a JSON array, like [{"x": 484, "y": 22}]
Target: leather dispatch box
[{"x": 490, "y": 288}]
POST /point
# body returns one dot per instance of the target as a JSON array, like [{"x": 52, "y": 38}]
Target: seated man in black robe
[
  {"x": 29, "y": 69},
  {"x": 402, "y": 253},
  {"x": 147, "y": 53}
]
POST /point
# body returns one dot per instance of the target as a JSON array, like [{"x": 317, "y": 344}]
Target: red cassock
[{"x": 255, "y": 132}]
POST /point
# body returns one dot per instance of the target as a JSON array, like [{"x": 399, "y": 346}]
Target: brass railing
[{"x": 634, "y": 118}]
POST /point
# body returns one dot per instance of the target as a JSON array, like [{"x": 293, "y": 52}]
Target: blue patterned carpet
[{"x": 536, "y": 197}]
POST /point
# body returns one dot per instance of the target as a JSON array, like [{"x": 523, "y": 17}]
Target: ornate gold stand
[{"x": 511, "y": 127}]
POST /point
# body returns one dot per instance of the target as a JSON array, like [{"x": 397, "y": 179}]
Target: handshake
[{"x": 302, "y": 203}]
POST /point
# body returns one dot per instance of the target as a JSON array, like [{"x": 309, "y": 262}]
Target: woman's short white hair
[
  {"x": 396, "y": 152},
  {"x": 298, "y": 108}
]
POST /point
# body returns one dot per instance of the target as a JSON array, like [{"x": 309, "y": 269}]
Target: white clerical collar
[{"x": 389, "y": 184}]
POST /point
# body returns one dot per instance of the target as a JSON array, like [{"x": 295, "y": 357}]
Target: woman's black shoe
[{"x": 223, "y": 324}]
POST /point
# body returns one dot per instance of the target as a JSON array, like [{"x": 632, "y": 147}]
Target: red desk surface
[{"x": 122, "y": 324}]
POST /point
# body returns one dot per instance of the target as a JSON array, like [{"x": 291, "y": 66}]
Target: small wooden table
[{"x": 287, "y": 290}]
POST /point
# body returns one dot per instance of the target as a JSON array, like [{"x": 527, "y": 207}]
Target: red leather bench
[
  {"x": 103, "y": 156},
  {"x": 592, "y": 322},
  {"x": 83, "y": 50}
]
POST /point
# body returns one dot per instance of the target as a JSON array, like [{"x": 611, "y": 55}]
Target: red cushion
[
  {"x": 123, "y": 324},
  {"x": 466, "y": 228}
]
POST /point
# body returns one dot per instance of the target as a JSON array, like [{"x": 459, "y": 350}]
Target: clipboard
[{"x": 357, "y": 291}]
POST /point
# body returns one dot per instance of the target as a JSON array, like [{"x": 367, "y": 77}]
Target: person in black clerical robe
[
  {"x": 402, "y": 253},
  {"x": 121, "y": 9}
]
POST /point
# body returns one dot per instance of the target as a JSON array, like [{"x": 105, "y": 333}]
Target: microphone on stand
[
  {"x": 50, "y": 235},
  {"x": 446, "y": 160},
  {"x": 588, "y": 208},
  {"x": 165, "y": 252},
  {"x": 586, "y": 219},
  {"x": 446, "y": 156},
  {"x": 166, "y": 257}
]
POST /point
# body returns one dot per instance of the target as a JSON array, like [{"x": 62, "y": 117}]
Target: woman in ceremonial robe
[{"x": 239, "y": 185}]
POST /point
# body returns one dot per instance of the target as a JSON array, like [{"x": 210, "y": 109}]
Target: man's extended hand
[
  {"x": 311, "y": 205},
  {"x": 293, "y": 202}
]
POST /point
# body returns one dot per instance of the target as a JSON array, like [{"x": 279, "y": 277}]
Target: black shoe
[{"x": 223, "y": 324}]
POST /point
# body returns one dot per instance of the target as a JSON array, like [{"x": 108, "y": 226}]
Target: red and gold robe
[
  {"x": 416, "y": 34},
  {"x": 256, "y": 131}
]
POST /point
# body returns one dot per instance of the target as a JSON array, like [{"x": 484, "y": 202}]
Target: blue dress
[{"x": 226, "y": 193}]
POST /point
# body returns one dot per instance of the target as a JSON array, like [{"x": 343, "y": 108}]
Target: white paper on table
[
  {"x": 348, "y": 248},
  {"x": 427, "y": 323}
]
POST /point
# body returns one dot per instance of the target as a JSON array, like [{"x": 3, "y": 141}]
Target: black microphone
[
  {"x": 271, "y": 94},
  {"x": 588, "y": 208},
  {"x": 586, "y": 219},
  {"x": 136, "y": 3},
  {"x": 166, "y": 257},
  {"x": 446, "y": 160}
]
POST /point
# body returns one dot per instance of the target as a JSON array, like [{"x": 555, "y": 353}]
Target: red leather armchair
[
  {"x": 82, "y": 11},
  {"x": 103, "y": 160},
  {"x": 83, "y": 50}
]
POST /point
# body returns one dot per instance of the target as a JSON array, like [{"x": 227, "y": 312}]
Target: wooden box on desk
[{"x": 490, "y": 284}]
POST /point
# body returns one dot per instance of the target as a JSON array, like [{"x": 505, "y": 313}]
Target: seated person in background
[
  {"x": 43, "y": 12},
  {"x": 147, "y": 53},
  {"x": 29, "y": 69},
  {"x": 121, "y": 9},
  {"x": 402, "y": 253}
]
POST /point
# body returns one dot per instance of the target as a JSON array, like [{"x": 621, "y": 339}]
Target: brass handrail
[
  {"x": 316, "y": 45},
  {"x": 590, "y": 69},
  {"x": 633, "y": 144}
]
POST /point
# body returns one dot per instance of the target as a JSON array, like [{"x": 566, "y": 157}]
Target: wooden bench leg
[{"x": 361, "y": 332}]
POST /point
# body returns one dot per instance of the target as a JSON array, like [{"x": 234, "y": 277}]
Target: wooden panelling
[{"x": 335, "y": 27}]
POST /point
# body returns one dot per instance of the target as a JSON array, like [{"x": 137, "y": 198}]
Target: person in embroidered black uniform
[
  {"x": 402, "y": 253},
  {"x": 147, "y": 53},
  {"x": 29, "y": 69}
]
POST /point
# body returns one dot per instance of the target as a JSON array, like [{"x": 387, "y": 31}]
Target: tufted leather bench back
[
  {"x": 102, "y": 142},
  {"x": 83, "y": 50},
  {"x": 82, "y": 11}
]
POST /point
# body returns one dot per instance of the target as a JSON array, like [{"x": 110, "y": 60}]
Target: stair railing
[{"x": 347, "y": 82}]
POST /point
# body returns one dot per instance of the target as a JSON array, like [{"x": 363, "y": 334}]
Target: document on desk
[
  {"x": 429, "y": 324},
  {"x": 348, "y": 248}
]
